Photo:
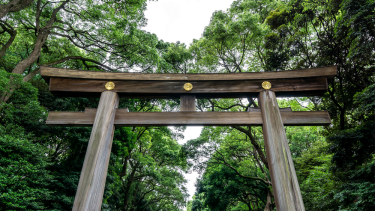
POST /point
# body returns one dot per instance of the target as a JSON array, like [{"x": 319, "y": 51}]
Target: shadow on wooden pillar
[
  {"x": 187, "y": 103},
  {"x": 284, "y": 179},
  {"x": 90, "y": 189}
]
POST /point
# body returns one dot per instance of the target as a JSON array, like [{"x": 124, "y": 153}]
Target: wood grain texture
[
  {"x": 50, "y": 72},
  {"x": 90, "y": 189},
  {"x": 283, "y": 176},
  {"x": 124, "y": 118},
  {"x": 187, "y": 103},
  {"x": 281, "y": 109},
  {"x": 202, "y": 89}
]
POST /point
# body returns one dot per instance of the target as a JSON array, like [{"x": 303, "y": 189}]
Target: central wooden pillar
[
  {"x": 284, "y": 179},
  {"x": 90, "y": 189},
  {"x": 187, "y": 103}
]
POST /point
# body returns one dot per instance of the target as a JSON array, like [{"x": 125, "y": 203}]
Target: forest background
[{"x": 40, "y": 165}]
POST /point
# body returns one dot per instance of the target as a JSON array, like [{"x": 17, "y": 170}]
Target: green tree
[
  {"x": 353, "y": 156},
  {"x": 317, "y": 182},
  {"x": 233, "y": 41},
  {"x": 221, "y": 147},
  {"x": 321, "y": 33},
  {"x": 75, "y": 33},
  {"x": 145, "y": 166},
  {"x": 223, "y": 188},
  {"x": 24, "y": 179}
]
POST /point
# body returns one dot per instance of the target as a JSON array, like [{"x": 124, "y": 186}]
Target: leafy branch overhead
[{"x": 53, "y": 33}]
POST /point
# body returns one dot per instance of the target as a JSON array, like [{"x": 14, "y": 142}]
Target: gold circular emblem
[
  {"x": 110, "y": 85},
  {"x": 188, "y": 86},
  {"x": 266, "y": 85}
]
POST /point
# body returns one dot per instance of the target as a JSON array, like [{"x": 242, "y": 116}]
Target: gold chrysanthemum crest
[
  {"x": 266, "y": 85},
  {"x": 188, "y": 86},
  {"x": 110, "y": 85}
]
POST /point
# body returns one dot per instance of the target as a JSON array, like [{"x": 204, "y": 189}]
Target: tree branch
[
  {"x": 12, "y": 33},
  {"x": 14, "y": 6},
  {"x": 254, "y": 143}
]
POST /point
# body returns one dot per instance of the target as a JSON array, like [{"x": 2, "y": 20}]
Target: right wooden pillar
[{"x": 283, "y": 175}]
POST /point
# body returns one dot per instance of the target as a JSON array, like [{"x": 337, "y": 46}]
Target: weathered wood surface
[
  {"x": 90, "y": 189},
  {"x": 201, "y": 89},
  {"x": 281, "y": 109},
  {"x": 124, "y": 118},
  {"x": 50, "y": 72},
  {"x": 187, "y": 103},
  {"x": 283, "y": 176}
]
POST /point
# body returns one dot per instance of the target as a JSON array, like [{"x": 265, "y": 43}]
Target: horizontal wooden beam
[
  {"x": 124, "y": 118},
  {"x": 66, "y": 87},
  {"x": 50, "y": 72}
]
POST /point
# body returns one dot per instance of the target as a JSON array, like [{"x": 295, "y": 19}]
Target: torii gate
[{"x": 264, "y": 85}]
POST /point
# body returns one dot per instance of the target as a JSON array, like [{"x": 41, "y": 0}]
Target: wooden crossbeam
[
  {"x": 201, "y": 89},
  {"x": 124, "y": 118},
  {"x": 50, "y": 72},
  {"x": 293, "y": 83}
]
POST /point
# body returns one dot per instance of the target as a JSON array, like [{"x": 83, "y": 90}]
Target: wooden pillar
[
  {"x": 90, "y": 190},
  {"x": 284, "y": 179},
  {"x": 187, "y": 103}
]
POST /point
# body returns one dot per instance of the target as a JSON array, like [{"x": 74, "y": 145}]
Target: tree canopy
[{"x": 40, "y": 165}]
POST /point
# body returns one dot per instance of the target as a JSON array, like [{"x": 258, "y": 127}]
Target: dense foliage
[
  {"x": 334, "y": 164},
  {"x": 40, "y": 165}
]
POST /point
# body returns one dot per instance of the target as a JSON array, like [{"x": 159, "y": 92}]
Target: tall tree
[
  {"x": 102, "y": 35},
  {"x": 320, "y": 33}
]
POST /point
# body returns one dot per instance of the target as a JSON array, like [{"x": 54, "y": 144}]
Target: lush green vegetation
[{"x": 40, "y": 165}]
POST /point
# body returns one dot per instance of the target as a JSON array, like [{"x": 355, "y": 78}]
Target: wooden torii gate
[{"x": 264, "y": 85}]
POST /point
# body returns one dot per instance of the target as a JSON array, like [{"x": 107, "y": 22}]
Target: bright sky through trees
[
  {"x": 191, "y": 133},
  {"x": 182, "y": 20}
]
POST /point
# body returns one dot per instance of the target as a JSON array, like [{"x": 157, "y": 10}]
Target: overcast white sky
[{"x": 182, "y": 20}]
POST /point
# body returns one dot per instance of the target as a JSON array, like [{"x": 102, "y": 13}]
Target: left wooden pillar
[{"x": 91, "y": 184}]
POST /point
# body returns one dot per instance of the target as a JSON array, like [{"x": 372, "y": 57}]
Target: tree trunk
[
  {"x": 254, "y": 143},
  {"x": 342, "y": 118},
  {"x": 127, "y": 190},
  {"x": 12, "y": 33},
  {"x": 29, "y": 76},
  {"x": 12, "y": 87},
  {"x": 268, "y": 206},
  {"x": 41, "y": 39}
]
